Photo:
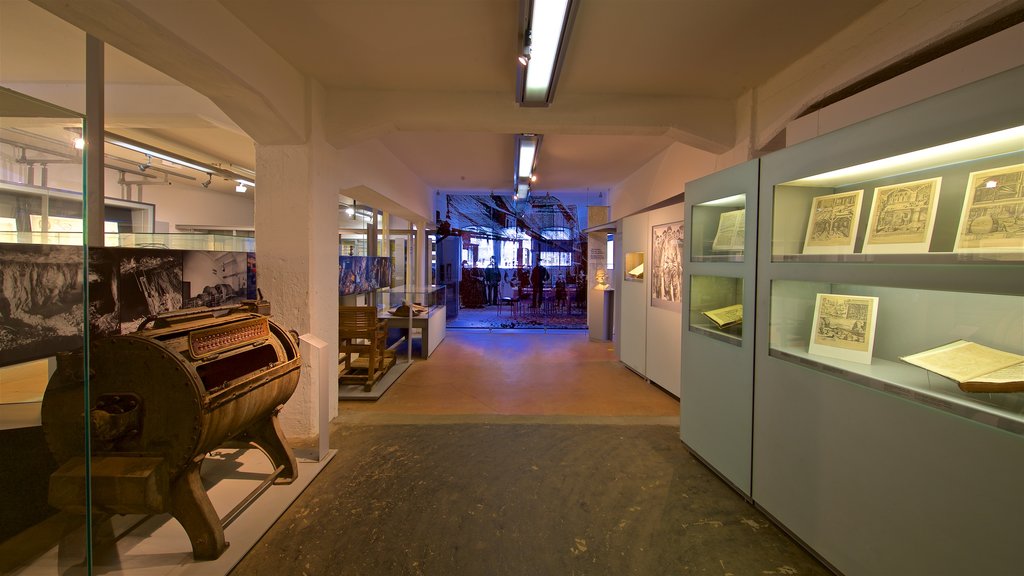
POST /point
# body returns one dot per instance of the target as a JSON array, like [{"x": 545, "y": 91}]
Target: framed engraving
[
  {"x": 844, "y": 327},
  {"x": 731, "y": 232},
  {"x": 902, "y": 217},
  {"x": 993, "y": 214},
  {"x": 667, "y": 266},
  {"x": 832, "y": 227}
]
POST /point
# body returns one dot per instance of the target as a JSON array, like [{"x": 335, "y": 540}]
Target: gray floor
[{"x": 505, "y": 496}]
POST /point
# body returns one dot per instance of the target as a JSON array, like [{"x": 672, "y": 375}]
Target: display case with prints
[{"x": 880, "y": 241}]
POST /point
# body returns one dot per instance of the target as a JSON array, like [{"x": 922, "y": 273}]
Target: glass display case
[
  {"x": 415, "y": 314},
  {"x": 717, "y": 366},
  {"x": 633, "y": 267},
  {"x": 935, "y": 237},
  {"x": 908, "y": 321},
  {"x": 424, "y": 300},
  {"x": 877, "y": 242},
  {"x": 716, "y": 307},
  {"x": 957, "y": 202},
  {"x": 719, "y": 229}
]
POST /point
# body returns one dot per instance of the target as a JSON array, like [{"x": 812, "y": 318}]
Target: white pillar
[
  {"x": 296, "y": 217},
  {"x": 422, "y": 257}
]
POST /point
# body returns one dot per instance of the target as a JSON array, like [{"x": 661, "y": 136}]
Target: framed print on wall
[
  {"x": 832, "y": 226},
  {"x": 902, "y": 217}
]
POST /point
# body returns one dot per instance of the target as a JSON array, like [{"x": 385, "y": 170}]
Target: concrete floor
[{"x": 519, "y": 454}]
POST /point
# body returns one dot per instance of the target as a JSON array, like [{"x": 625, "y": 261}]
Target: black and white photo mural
[
  {"x": 666, "y": 269},
  {"x": 213, "y": 278},
  {"x": 104, "y": 304},
  {"x": 42, "y": 308},
  {"x": 149, "y": 283}
]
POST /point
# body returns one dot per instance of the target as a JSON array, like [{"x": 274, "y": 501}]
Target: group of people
[{"x": 537, "y": 277}]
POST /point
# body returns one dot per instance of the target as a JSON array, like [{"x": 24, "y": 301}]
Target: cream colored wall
[
  {"x": 185, "y": 202},
  {"x": 373, "y": 166},
  {"x": 995, "y": 54},
  {"x": 663, "y": 177}
]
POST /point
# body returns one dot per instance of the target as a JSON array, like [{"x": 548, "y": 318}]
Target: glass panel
[
  {"x": 831, "y": 327},
  {"x": 43, "y": 307},
  {"x": 718, "y": 230},
  {"x": 716, "y": 307},
  {"x": 960, "y": 201}
]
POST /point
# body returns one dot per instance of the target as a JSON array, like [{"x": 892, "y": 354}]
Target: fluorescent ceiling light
[
  {"x": 522, "y": 191},
  {"x": 1006, "y": 141},
  {"x": 527, "y": 150},
  {"x": 160, "y": 155},
  {"x": 544, "y": 43},
  {"x": 737, "y": 201}
]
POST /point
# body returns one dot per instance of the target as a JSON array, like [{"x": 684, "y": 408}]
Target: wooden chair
[{"x": 361, "y": 332}]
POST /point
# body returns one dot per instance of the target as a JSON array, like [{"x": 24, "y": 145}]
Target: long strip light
[
  {"x": 525, "y": 163},
  {"x": 1006, "y": 141},
  {"x": 544, "y": 30},
  {"x": 160, "y": 155},
  {"x": 150, "y": 151}
]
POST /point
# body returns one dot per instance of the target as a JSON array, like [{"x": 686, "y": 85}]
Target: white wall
[
  {"x": 631, "y": 296},
  {"x": 663, "y": 177},
  {"x": 995, "y": 54},
  {"x": 371, "y": 165},
  {"x": 185, "y": 202}
]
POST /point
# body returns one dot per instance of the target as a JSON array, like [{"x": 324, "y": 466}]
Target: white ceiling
[{"x": 711, "y": 49}]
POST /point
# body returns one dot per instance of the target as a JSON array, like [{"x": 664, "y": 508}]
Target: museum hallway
[{"x": 519, "y": 453}]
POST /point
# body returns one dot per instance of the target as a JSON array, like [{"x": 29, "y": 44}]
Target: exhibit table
[{"x": 431, "y": 328}]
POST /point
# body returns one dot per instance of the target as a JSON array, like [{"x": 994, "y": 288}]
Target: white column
[
  {"x": 296, "y": 219},
  {"x": 422, "y": 257}
]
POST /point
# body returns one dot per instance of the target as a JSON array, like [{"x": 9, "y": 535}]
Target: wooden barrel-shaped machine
[{"x": 159, "y": 400}]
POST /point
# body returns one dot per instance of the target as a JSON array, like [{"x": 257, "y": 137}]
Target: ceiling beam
[
  {"x": 208, "y": 49},
  {"x": 354, "y": 116}
]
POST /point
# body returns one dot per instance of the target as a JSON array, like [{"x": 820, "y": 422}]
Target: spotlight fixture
[
  {"x": 79, "y": 143},
  {"x": 244, "y": 185},
  {"x": 524, "y": 57},
  {"x": 209, "y": 179},
  {"x": 544, "y": 27},
  {"x": 350, "y": 211}
]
